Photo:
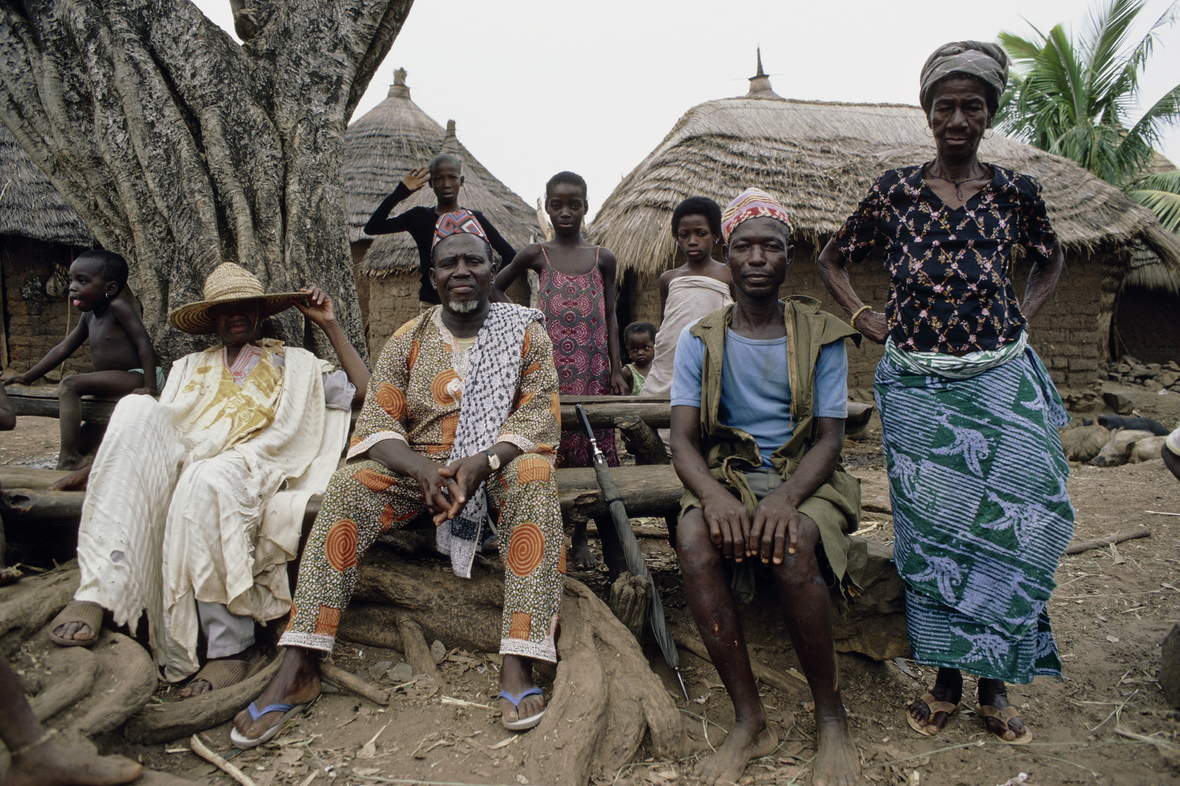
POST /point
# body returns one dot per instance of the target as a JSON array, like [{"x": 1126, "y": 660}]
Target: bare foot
[
  {"x": 584, "y": 559},
  {"x": 516, "y": 675},
  {"x": 53, "y": 764},
  {"x": 71, "y": 461},
  {"x": 837, "y": 762},
  {"x": 741, "y": 746},
  {"x": 9, "y": 576},
  {"x": 994, "y": 693},
  {"x": 948, "y": 687},
  {"x": 298, "y": 682},
  {"x": 75, "y": 481}
]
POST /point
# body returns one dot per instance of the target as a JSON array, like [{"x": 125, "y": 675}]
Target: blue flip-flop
[
  {"x": 288, "y": 711},
  {"x": 521, "y": 724}
]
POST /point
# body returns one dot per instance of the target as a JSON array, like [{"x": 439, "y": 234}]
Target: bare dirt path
[{"x": 1107, "y": 723}]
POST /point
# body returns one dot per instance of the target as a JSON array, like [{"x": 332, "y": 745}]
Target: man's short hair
[
  {"x": 569, "y": 179},
  {"x": 445, "y": 158},
  {"x": 113, "y": 266},
  {"x": 698, "y": 206},
  {"x": 638, "y": 328}
]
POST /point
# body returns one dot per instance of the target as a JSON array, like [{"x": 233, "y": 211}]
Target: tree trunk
[{"x": 182, "y": 149}]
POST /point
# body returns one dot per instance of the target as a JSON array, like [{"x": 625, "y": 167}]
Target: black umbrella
[{"x": 631, "y": 551}]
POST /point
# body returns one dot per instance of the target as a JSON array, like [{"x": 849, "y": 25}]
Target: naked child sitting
[
  {"x": 759, "y": 396},
  {"x": 122, "y": 354}
]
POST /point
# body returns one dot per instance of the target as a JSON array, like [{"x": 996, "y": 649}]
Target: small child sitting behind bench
[{"x": 122, "y": 354}]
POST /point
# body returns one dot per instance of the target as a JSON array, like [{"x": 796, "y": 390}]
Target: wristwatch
[{"x": 493, "y": 459}]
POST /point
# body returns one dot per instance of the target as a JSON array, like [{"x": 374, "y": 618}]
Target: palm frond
[{"x": 1159, "y": 192}]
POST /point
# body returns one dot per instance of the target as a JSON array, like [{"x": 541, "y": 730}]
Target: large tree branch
[{"x": 183, "y": 150}]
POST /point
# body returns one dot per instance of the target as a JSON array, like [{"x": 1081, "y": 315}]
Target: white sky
[{"x": 537, "y": 86}]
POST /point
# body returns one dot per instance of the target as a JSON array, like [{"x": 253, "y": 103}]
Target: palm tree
[{"x": 1073, "y": 98}]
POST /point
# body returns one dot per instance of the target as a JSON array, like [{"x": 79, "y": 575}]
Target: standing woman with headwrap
[{"x": 969, "y": 415}]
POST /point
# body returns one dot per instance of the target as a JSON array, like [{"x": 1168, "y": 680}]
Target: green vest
[{"x": 729, "y": 452}]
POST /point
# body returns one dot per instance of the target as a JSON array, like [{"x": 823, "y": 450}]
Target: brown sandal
[
  {"x": 221, "y": 674},
  {"x": 986, "y": 711},
  {"x": 83, "y": 612},
  {"x": 936, "y": 707}
]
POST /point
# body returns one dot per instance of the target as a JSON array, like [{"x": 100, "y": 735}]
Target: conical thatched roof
[
  {"x": 30, "y": 206},
  {"x": 393, "y": 138},
  {"x": 820, "y": 158},
  {"x": 380, "y": 148}
]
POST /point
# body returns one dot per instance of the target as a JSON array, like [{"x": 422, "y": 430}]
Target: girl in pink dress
[{"x": 577, "y": 296}]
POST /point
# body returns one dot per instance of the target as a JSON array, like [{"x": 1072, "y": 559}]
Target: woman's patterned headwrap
[
  {"x": 987, "y": 61},
  {"x": 751, "y": 203}
]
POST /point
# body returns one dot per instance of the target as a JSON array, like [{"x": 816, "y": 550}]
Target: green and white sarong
[{"x": 981, "y": 512}]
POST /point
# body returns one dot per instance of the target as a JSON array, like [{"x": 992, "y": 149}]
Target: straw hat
[{"x": 229, "y": 283}]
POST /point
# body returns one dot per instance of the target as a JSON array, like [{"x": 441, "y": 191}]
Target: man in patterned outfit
[{"x": 419, "y": 448}]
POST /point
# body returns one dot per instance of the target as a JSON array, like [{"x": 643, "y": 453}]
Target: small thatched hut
[
  {"x": 379, "y": 149},
  {"x": 40, "y": 235},
  {"x": 820, "y": 159}
]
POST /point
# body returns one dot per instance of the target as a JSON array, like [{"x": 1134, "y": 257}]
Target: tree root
[
  {"x": 353, "y": 684},
  {"x": 415, "y": 648},
  {"x": 178, "y": 719},
  {"x": 606, "y": 699},
  {"x": 26, "y": 606},
  {"x": 81, "y": 669}
]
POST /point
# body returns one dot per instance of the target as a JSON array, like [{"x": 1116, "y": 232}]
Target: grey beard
[{"x": 463, "y": 306}]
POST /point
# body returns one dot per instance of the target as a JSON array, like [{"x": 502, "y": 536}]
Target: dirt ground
[{"x": 1106, "y": 723}]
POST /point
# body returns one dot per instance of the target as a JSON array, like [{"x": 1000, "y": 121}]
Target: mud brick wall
[
  {"x": 1068, "y": 333},
  {"x": 35, "y": 321}
]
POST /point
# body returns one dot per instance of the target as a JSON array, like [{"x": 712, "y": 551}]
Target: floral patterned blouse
[{"x": 950, "y": 287}]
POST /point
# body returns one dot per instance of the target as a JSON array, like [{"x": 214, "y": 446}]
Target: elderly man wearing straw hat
[
  {"x": 182, "y": 520},
  {"x": 462, "y": 421},
  {"x": 759, "y": 396}
]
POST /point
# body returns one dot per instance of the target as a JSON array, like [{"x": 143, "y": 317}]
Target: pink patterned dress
[{"x": 575, "y": 315}]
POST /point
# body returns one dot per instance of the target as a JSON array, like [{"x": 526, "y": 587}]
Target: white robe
[{"x": 182, "y": 504}]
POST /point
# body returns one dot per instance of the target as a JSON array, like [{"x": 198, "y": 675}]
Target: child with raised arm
[
  {"x": 639, "y": 338},
  {"x": 577, "y": 296},
  {"x": 122, "y": 354},
  {"x": 445, "y": 176},
  {"x": 688, "y": 292}
]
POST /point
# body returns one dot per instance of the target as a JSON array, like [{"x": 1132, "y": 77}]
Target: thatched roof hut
[
  {"x": 393, "y": 138},
  {"x": 40, "y": 235},
  {"x": 511, "y": 216},
  {"x": 30, "y": 206},
  {"x": 820, "y": 158},
  {"x": 379, "y": 149}
]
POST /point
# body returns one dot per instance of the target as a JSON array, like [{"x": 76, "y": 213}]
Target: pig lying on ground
[
  {"x": 1146, "y": 450},
  {"x": 1118, "y": 450},
  {"x": 1113, "y": 422},
  {"x": 1083, "y": 443}
]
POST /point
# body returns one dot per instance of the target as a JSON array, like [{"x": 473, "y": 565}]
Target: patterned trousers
[{"x": 365, "y": 499}]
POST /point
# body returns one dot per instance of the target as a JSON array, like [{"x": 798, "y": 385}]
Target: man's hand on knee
[
  {"x": 728, "y": 523},
  {"x": 775, "y": 532}
]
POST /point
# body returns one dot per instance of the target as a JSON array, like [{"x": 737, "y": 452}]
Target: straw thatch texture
[
  {"x": 394, "y": 137},
  {"x": 511, "y": 216},
  {"x": 820, "y": 159},
  {"x": 1146, "y": 271},
  {"x": 380, "y": 148},
  {"x": 30, "y": 206}
]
